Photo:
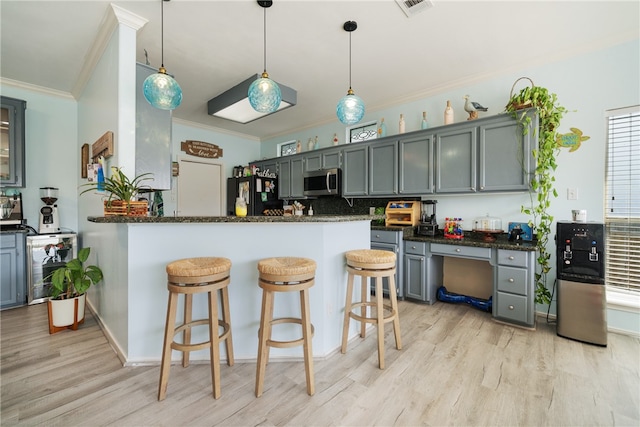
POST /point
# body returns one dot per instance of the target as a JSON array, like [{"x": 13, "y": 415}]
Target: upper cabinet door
[
  {"x": 383, "y": 168},
  {"x": 457, "y": 160},
  {"x": 416, "y": 165},
  {"x": 12, "y": 145},
  {"x": 506, "y": 160},
  {"x": 355, "y": 170}
]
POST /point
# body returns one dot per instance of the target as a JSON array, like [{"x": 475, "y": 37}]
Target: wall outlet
[
  {"x": 572, "y": 194},
  {"x": 372, "y": 210}
]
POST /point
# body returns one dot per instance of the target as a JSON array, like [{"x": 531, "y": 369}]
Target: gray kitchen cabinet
[
  {"x": 332, "y": 158},
  {"x": 12, "y": 163},
  {"x": 456, "y": 159},
  {"x": 506, "y": 160},
  {"x": 153, "y": 136},
  {"x": 383, "y": 168},
  {"x": 491, "y": 156},
  {"x": 313, "y": 161},
  {"x": 270, "y": 166},
  {"x": 513, "y": 290},
  {"x": 422, "y": 272},
  {"x": 13, "y": 282},
  {"x": 416, "y": 165},
  {"x": 389, "y": 240},
  {"x": 290, "y": 177},
  {"x": 355, "y": 170}
]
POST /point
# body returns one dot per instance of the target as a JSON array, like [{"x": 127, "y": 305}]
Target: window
[
  {"x": 287, "y": 148},
  {"x": 622, "y": 201},
  {"x": 362, "y": 132}
]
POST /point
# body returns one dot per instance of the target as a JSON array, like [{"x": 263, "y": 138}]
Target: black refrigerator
[{"x": 259, "y": 193}]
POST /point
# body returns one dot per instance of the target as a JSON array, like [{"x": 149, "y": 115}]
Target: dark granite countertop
[
  {"x": 227, "y": 219},
  {"x": 471, "y": 238}
]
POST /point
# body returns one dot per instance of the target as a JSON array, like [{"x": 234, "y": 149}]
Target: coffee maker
[
  {"x": 49, "y": 221},
  {"x": 11, "y": 211},
  {"x": 428, "y": 225}
]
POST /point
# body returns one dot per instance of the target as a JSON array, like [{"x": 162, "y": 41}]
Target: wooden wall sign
[
  {"x": 201, "y": 149},
  {"x": 102, "y": 147},
  {"x": 84, "y": 160}
]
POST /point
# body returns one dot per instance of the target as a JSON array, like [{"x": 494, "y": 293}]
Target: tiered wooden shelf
[{"x": 402, "y": 213}]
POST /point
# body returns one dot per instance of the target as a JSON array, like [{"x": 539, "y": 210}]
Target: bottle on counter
[
  {"x": 448, "y": 114},
  {"x": 310, "y": 211},
  {"x": 335, "y": 139},
  {"x": 315, "y": 143},
  {"x": 401, "y": 127},
  {"x": 241, "y": 207},
  {"x": 382, "y": 129},
  {"x": 424, "y": 124},
  {"x": 310, "y": 144},
  {"x": 298, "y": 147}
]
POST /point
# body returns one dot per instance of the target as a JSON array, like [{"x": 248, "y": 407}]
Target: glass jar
[{"x": 241, "y": 207}]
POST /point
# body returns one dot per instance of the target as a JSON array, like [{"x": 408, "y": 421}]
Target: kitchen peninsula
[{"x": 133, "y": 252}]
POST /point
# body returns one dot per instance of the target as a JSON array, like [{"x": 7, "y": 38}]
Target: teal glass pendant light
[
  {"x": 264, "y": 94},
  {"x": 160, "y": 89},
  {"x": 350, "y": 109}
]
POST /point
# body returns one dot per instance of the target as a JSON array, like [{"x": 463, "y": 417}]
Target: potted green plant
[
  {"x": 122, "y": 191},
  {"x": 550, "y": 114},
  {"x": 69, "y": 284}
]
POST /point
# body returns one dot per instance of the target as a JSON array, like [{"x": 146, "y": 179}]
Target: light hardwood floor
[{"x": 457, "y": 367}]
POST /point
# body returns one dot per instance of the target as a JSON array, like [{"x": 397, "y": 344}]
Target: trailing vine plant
[{"x": 542, "y": 182}]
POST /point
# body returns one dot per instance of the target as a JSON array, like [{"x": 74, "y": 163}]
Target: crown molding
[
  {"x": 35, "y": 88},
  {"x": 114, "y": 16}
]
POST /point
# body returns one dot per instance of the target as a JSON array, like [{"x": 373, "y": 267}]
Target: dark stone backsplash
[{"x": 339, "y": 205}]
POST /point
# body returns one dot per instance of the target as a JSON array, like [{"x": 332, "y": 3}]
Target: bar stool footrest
[
  {"x": 198, "y": 346},
  {"x": 291, "y": 343},
  {"x": 389, "y": 317}
]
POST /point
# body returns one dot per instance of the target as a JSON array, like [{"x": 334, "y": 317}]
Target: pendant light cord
[
  {"x": 350, "y": 60},
  {"x": 162, "y": 33},
  {"x": 265, "y": 38}
]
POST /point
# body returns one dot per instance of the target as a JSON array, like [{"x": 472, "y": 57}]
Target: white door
[{"x": 201, "y": 190}]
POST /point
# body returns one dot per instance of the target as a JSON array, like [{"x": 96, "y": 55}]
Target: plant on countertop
[
  {"x": 542, "y": 182},
  {"x": 119, "y": 186},
  {"x": 74, "y": 279}
]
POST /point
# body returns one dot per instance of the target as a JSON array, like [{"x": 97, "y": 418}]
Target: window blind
[{"x": 622, "y": 200}]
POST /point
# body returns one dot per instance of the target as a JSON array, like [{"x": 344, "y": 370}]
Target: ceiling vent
[{"x": 413, "y": 7}]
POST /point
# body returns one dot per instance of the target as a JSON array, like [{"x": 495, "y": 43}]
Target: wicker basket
[
  {"x": 121, "y": 208},
  {"x": 520, "y": 106}
]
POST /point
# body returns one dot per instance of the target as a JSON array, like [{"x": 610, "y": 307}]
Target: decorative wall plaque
[
  {"x": 201, "y": 149},
  {"x": 102, "y": 147}
]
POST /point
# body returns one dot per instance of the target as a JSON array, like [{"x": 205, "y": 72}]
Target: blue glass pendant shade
[
  {"x": 162, "y": 91},
  {"x": 264, "y": 95},
  {"x": 350, "y": 109}
]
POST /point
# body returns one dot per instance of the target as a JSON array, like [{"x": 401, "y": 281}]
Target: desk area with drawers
[{"x": 421, "y": 273}]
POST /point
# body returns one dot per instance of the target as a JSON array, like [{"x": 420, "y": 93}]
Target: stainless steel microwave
[{"x": 325, "y": 182}]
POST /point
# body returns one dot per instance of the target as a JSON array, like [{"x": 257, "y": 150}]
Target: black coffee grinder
[{"x": 428, "y": 225}]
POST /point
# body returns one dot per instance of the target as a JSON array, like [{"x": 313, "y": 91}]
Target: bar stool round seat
[
  {"x": 376, "y": 264},
  {"x": 189, "y": 276},
  {"x": 285, "y": 274}
]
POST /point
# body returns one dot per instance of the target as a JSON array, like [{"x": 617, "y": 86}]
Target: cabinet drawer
[
  {"x": 513, "y": 280},
  {"x": 461, "y": 251},
  {"x": 513, "y": 258},
  {"x": 511, "y": 307},
  {"x": 384, "y": 236},
  {"x": 415, "y": 248},
  {"x": 8, "y": 240}
]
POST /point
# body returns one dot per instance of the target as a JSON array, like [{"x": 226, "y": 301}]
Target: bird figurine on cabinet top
[{"x": 472, "y": 108}]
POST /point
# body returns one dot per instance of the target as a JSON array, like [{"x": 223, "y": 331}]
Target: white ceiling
[{"x": 209, "y": 46}]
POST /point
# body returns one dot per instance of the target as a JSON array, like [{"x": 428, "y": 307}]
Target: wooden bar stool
[
  {"x": 285, "y": 274},
  {"x": 379, "y": 264},
  {"x": 188, "y": 277}
]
